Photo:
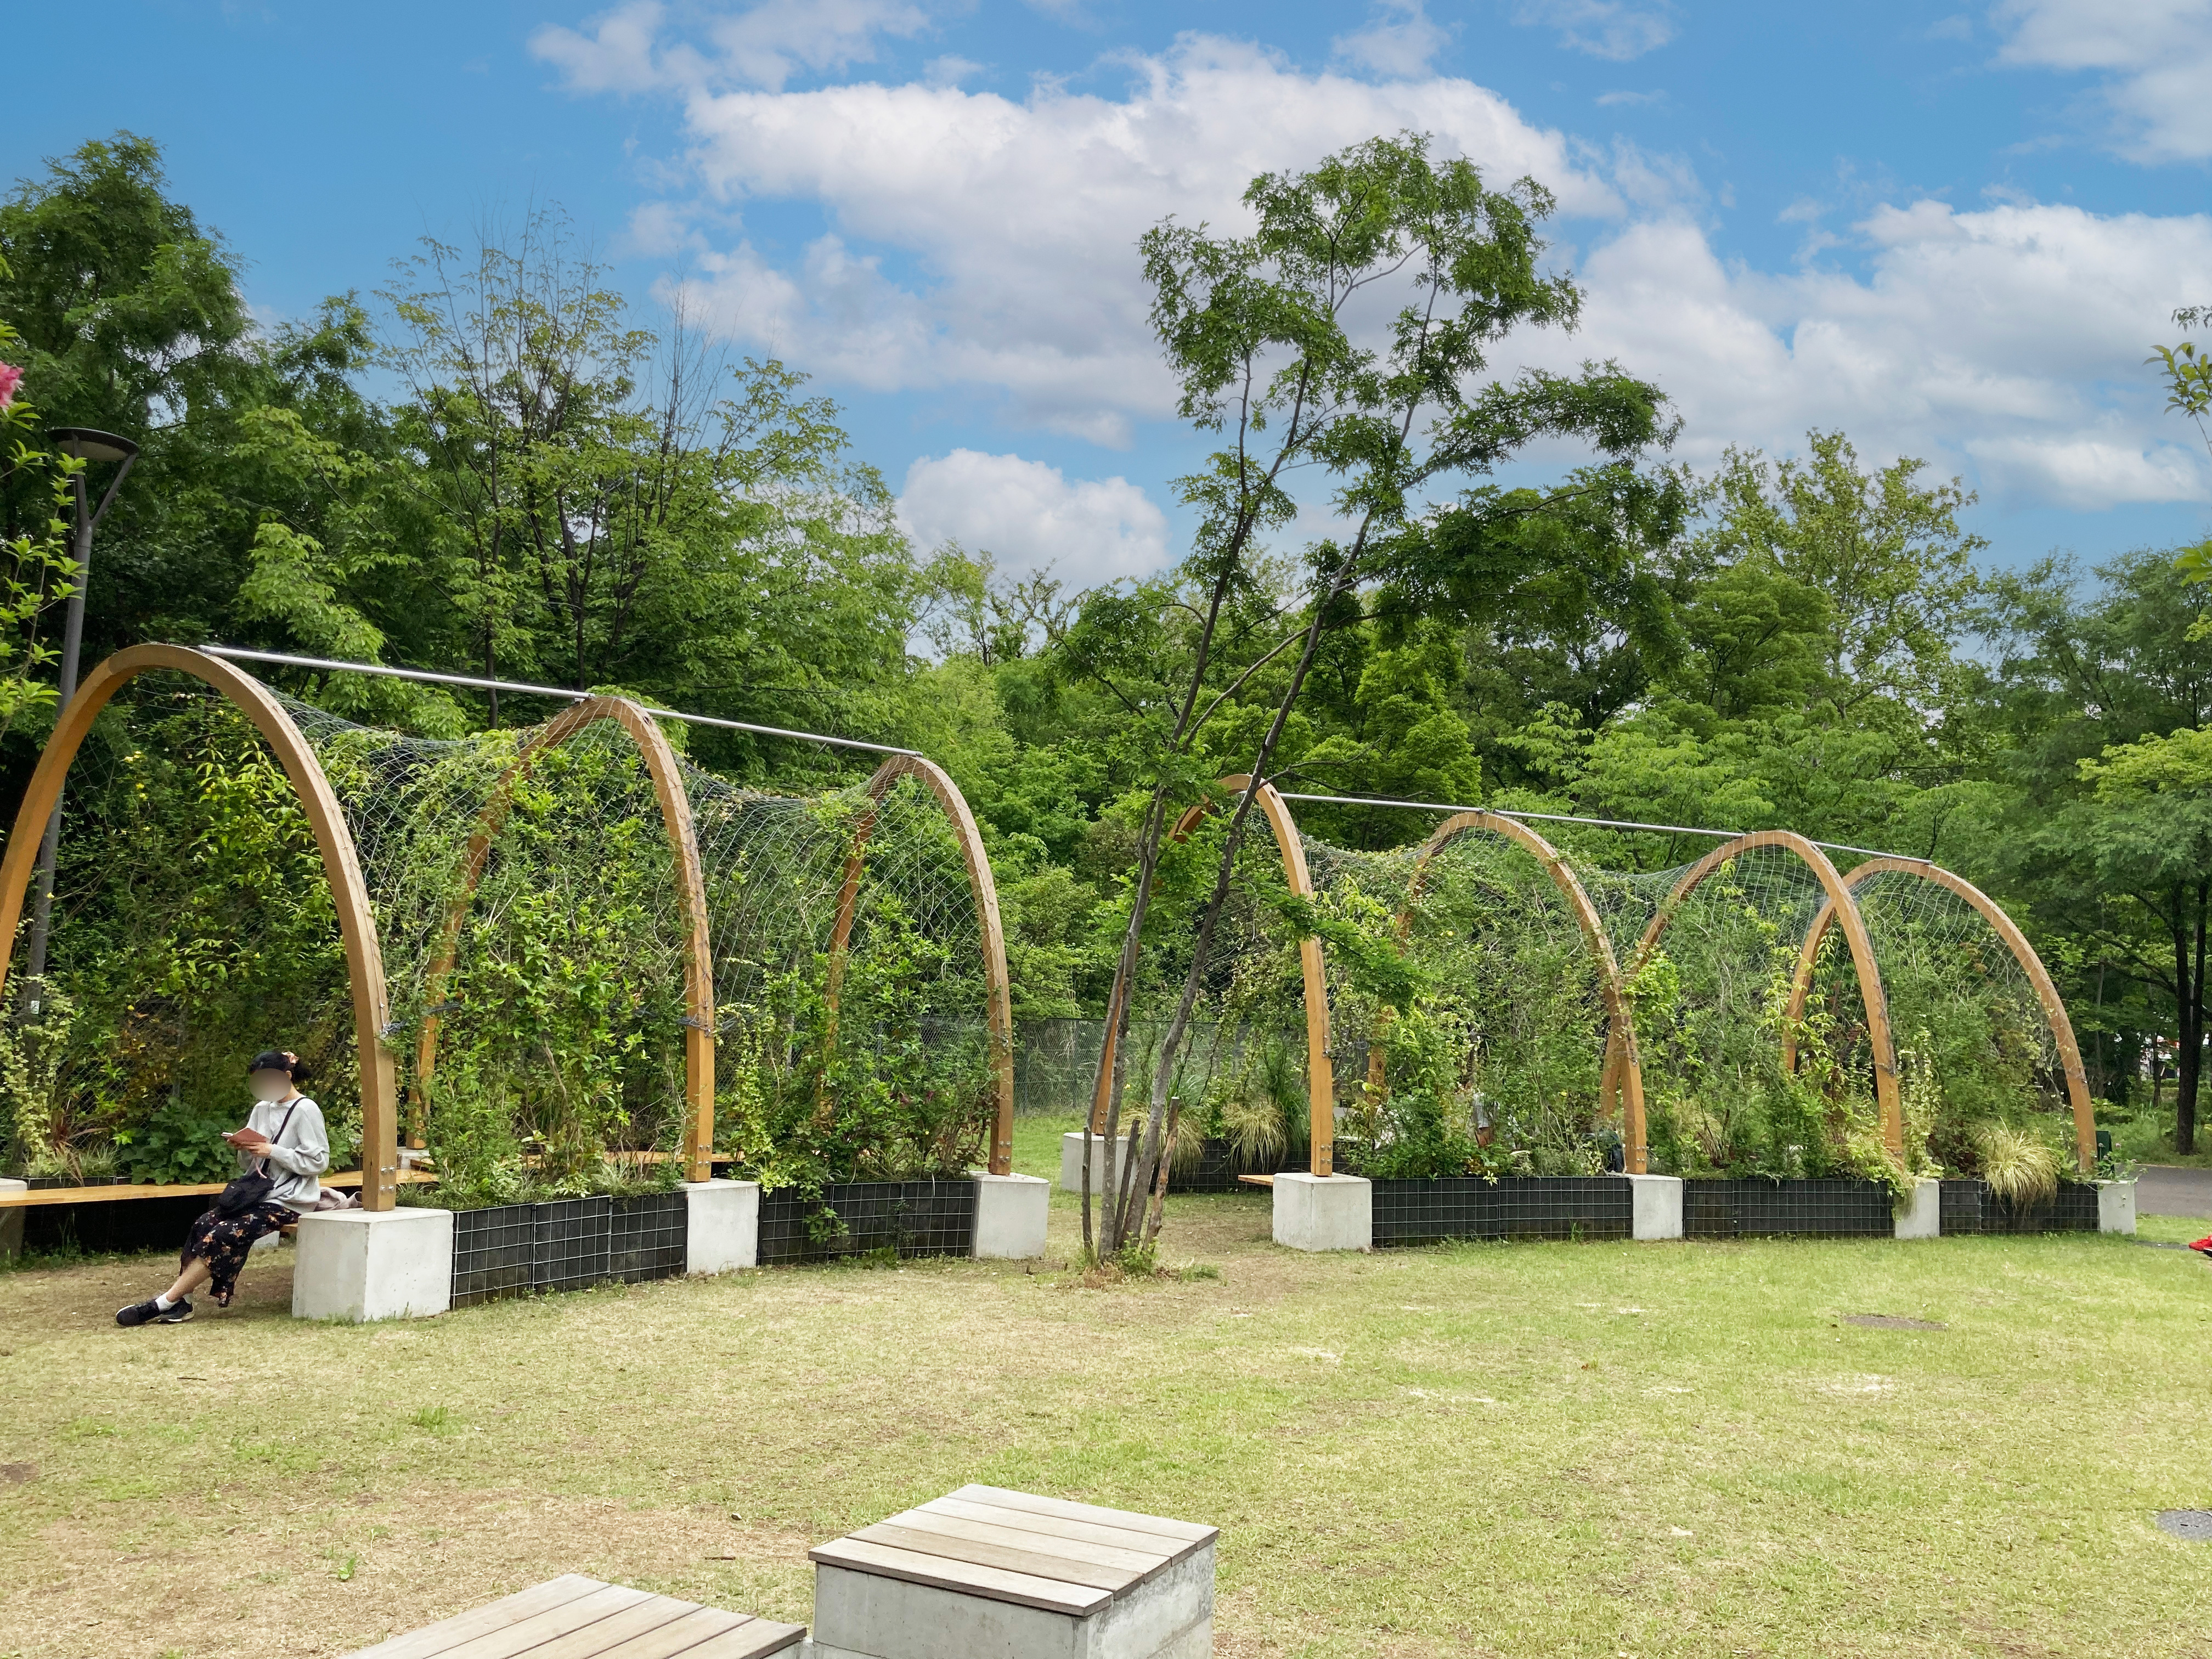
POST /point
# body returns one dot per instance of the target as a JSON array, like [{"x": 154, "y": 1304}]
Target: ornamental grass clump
[{"x": 2017, "y": 1165}]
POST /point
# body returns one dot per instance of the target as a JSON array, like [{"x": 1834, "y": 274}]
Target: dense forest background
[{"x": 490, "y": 465}]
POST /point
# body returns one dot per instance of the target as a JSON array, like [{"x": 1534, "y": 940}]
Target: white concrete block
[
  {"x": 362, "y": 1265},
  {"x": 722, "y": 1231},
  {"x": 1324, "y": 1213},
  {"x": 1654, "y": 1207},
  {"x": 11, "y": 1221},
  {"x": 1071, "y": 1164},
  {"x": 2115, "y": 1207},
  {"x": 1920, "y": 1216},
  {"x": 1011, "y": 1212},
  {"x": 861, "y": 1615}
]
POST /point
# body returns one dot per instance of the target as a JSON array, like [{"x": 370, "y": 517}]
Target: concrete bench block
[
  {"x": 1324, "y": 1213},
  {"x": 363, "y": 1265},
  {"x": 2115, "y": 1207},
  {"x": 1921, "y": 1215},
  {"x": 11, "y": 1221},
  {"x": 1010, "y": 1213},
  {"x": 1071, "y": 1164},
  {"x": 1654, "y": 1207},
  {"x": 722, "y": 1226},
  {"x": 984, "y": 1573}
]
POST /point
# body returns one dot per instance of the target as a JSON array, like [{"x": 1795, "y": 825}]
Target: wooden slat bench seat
[
  {"x": 16, "y": 1199},
  {"x": 573, "y": 1617},
  {"x": 1108, "y": 1583},
  {"x": 1257, "y": 1180}
]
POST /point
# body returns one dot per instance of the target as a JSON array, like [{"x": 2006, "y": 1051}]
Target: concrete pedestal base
[
  {"x": 1654, "y": 1207},
  {"x": 723, "y": 1232},
  {"x": 2115, "y": 1207},
  {"x": 1011, "y": 1212},
  {"x": 1324, "y": 1213},
  {"x": 1920, "y": 1216},
  {"x": 860, "y": 1616},
  {"x": 12, "y": 1222},
  {"x": 361, "y": 1265},
  {"x": 1071, "y": 1164}
]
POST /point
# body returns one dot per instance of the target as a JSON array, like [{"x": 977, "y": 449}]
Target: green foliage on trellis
[{"x": 194, "y": 926}]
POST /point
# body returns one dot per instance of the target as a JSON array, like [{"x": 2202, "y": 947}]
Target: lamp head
[{"x": 88, "y": 444}]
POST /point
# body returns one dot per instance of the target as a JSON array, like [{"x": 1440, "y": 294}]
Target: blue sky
[{"x": 1952, "y": 233}]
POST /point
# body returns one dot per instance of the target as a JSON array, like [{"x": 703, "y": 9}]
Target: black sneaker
[{"x": 150, "y": 1312}]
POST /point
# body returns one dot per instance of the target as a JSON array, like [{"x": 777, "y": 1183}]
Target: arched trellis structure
[
  {"x": 1840, "y": 906},
  {"x": 1000, "y": 1007},
  {"x": 1320, "y": 1076},
  {"x": 675, "y": 805},
  {"x": 1621, "y": 1087},
  {"x": 380, "y": 1113},
  {"x": 2054, "y": 1009}
]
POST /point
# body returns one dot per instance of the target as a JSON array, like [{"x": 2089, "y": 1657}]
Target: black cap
[{"x": 276, "y": 1060}]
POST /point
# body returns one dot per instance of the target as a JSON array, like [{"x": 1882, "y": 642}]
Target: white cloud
[
  {"x": 617, "y": 58},
  {"x": 1029, "y": 516},
  {"x": 1611, "y": 29},
  {"x": 2155, "y": 57},
  {"x": 2003, "y": 342},
  {"x": 763, "y": 45},
  {"x": 1024, "y": 216},
  {"x": 1400, "y": 41},
  {"x": 981, "y": 242}
]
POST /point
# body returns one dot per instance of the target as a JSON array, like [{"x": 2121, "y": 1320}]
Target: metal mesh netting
[
  {"x": 193, "y": 926},
  {"x": 1491, "y": 1049}
]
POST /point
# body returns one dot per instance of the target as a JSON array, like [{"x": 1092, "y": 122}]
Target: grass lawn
[{"x": 1584, "y": 1450}]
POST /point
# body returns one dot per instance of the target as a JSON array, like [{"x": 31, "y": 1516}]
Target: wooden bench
[
  {"x": 985, "y": 1573},
  {"x": 20, "y": 1197},
  {"x": 573, "y": 1617}
]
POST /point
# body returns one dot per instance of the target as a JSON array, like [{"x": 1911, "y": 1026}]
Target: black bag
[{"x": 253, "y": 1186}]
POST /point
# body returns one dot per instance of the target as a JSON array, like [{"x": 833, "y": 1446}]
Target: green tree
[
  {"x": 2147, "y": 826},
  {"x": 1258, "y": 331},
  {"x": 2106, "y": 841}
]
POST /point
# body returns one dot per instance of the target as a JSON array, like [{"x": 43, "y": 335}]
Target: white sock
[{"x": 163, "y": 1303}]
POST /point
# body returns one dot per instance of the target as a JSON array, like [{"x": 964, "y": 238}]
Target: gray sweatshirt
[{"x": 295, "y": 1158}]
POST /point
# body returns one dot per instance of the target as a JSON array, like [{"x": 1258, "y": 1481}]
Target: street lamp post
[{"x": 86, "y": 445}]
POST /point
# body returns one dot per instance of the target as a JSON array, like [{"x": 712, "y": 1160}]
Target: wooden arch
[
  {"x": 1840, "y": 903},
  {"x": 1320, "y": 1075},
  {"x": 1000, "y": 1008},
  {"x": 2054, "y": 1009},
  {"x": 1621, "y": 1088},
  {"x": 379, "y": 1114},
  {"x": 675, "y": 804}
]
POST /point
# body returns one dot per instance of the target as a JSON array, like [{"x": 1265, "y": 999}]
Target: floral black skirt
[{"x": 222, "y": 1241}]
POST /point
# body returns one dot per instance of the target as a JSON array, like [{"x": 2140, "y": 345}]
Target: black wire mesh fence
[
  {"x": 1566, "y": 1207},
  {"x": 566, "y": 1244},
  {"x": 1819, "y": 1207},
  {"x": 900, "y": 1219}
]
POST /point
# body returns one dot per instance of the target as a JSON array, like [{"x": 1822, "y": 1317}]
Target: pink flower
[{"x": 10, "y": 378}]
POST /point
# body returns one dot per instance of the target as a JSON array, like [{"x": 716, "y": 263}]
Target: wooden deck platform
[{"x": 573, "y": 1617}]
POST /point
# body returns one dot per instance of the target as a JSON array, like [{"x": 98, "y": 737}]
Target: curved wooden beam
[
  {"x": 999, "y": 996},
  {"x": 1620, "y": 1086},
  {"x": 1320, "y": 1076},
  {"x": 2046, "y": 993},
  {"x": 380, "y": 1113},
  {"x": 1879, "y": 1034},
  {"x": 675, "y": 804}
]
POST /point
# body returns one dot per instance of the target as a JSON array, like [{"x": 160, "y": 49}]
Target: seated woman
[{"x": 284, "y": 1139}]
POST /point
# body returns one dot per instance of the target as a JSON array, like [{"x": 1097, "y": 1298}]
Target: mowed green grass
[{"x": 1527, "y": 1449}]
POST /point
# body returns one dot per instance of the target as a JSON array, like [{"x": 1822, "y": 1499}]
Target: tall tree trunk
[
  {"x": 2190, "y": 1063},
  {"x": 1178, "y": 1029}
]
